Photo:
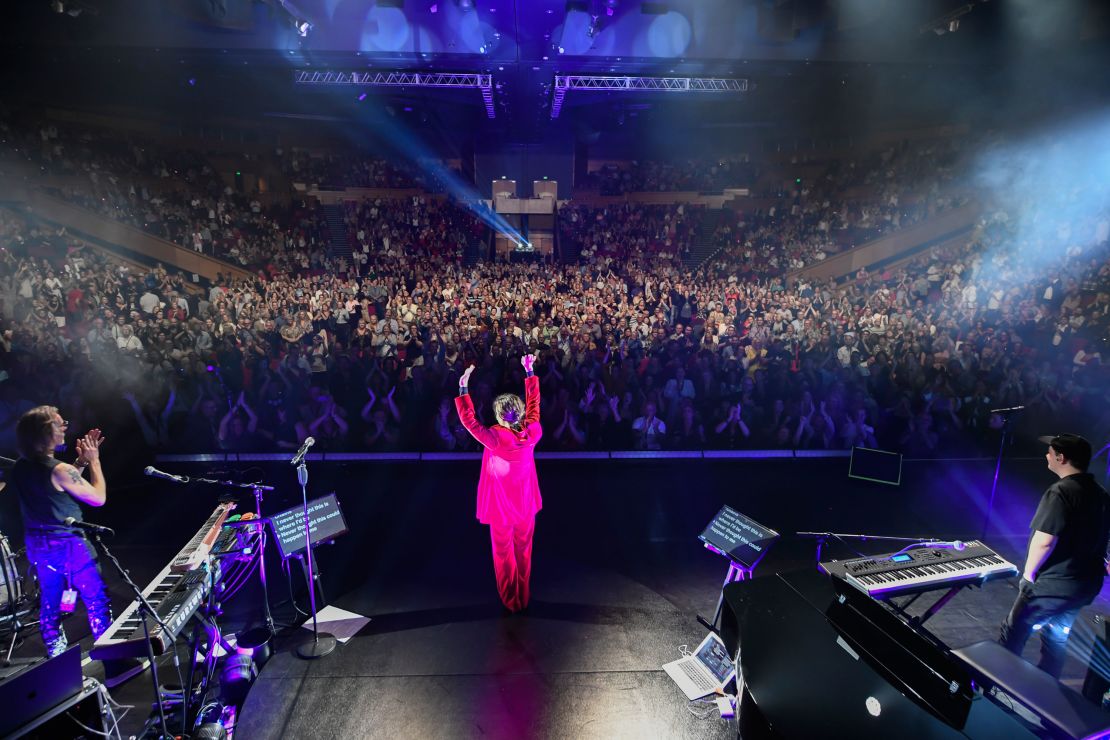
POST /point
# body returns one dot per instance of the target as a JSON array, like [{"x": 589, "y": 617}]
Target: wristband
[
  {"x": 528, "y": 373},
  {"x": 462, "y": 390}
]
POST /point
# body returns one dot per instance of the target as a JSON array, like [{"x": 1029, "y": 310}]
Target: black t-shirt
[
  {"x": 1076, "y": 510},
  {"x": 41, "y": 503}
]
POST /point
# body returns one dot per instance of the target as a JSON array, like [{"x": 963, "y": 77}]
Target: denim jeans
[
  {"x": 1054, "y": 614},
  {"x": 67, "y": 561}
]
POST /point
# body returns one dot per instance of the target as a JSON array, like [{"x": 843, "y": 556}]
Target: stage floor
[
  {"x": 619, "y": 578},
  {"x": 442, "y": 658},
  {"x": 582, "y": 662}
]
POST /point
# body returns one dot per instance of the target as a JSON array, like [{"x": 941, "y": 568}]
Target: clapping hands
[{"x": 88, "y": 447}]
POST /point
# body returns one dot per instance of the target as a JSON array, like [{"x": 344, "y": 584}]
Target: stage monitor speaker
[
  {"x": 879, "y": 466},
  {"x": 1096, "y": 685}
]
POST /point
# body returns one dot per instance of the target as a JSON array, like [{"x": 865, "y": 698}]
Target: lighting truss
[
  {"x": 323, "y": 78},
  {"x": 565, "y": 83}
]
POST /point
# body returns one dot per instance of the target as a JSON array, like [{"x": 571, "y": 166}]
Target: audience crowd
[
  {"x": 636, "y": 350},
  {"x": 698, "y": 175}
]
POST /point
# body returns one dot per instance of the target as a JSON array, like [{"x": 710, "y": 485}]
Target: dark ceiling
[{"x": 810, "y": 63}]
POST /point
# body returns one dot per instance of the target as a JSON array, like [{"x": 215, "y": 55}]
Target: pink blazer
[{"x": 508, "y": 491}]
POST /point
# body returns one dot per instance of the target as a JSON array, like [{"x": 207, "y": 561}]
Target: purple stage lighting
[
  {"x": 362, "y": 97},
  {"x": 192, "y": 81},
  {"x": 211, "y": 368}
]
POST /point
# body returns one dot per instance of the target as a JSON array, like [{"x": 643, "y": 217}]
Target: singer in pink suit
[{"x": 508, "y": 492}]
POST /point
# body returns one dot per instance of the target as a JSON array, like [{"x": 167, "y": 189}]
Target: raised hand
[
  {"x": 528, "y": 361},
  {"x": 464, "y": 379},
  {"x": 88, "y": 447}
]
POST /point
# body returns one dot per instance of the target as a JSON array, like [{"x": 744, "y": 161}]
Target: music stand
[{"x": 743, "y": 541}]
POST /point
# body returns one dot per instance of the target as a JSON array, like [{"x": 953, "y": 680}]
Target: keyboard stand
[{"x": 936, "y": 606}]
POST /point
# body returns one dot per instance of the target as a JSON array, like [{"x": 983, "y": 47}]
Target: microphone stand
[
  {"x": 322, "y": 643},
  {"x": 824, "y": 537},
  {"x": 1007, "y": 430},
  {"x": 144, "y": 610}
]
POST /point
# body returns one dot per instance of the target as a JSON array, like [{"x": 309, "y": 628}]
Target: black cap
[{"x": 1076, "y": 449}]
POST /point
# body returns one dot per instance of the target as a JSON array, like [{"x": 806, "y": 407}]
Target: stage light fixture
[
  {"x": 303, "y": 27},
  {"x": 949, "y": 22},
  {"x": 236, "y": 677},
  {"x": 465, "y": 5}
]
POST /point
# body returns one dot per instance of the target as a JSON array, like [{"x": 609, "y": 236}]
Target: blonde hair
[
  {"x": 509, "y": 410},
  {"x": 34, "y": 432}
]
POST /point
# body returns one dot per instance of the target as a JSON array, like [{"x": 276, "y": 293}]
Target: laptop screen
[{"x": 714, "y": 656}]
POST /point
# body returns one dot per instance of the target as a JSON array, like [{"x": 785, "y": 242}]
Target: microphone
[
  {"x": 299, "y": 457},
  {"x": 154, "y": 472},
  {"x": 1007, "y": 411},
  {"x": 953, "y": 545},
  {"x": 88, "y": 526}
]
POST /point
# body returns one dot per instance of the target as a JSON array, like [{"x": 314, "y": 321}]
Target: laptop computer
[
  {"x": 706, "y": 670},
  {"x": 39, "y": 689}
]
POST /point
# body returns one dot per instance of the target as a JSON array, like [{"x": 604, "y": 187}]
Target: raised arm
[
  {"x": 465, "y": 407},
  {"x": 94, "y": 491},
  {"x": 531, "y": 391}
]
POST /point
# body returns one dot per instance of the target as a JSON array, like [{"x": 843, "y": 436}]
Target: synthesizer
[
  {"x": 175, "y": 595},
  {"x": 922, "y": 568}
]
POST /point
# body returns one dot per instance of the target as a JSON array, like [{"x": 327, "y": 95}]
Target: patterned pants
[
  {"x": 512, "y": 561},
  {"x": 67, "y": 561}
]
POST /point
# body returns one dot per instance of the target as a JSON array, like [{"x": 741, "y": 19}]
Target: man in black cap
[{"x": 1066, "y": 561}]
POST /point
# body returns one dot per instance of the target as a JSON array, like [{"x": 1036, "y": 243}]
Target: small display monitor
[
  {"x": 879, "y": 466},
  {"x": 325, "y": 520}
]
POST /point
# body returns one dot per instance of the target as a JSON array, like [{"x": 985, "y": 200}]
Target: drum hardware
[{"x": 12, "y": 595}]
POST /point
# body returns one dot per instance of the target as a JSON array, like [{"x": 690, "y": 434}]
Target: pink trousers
[{"x": 512, "y": 561}]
